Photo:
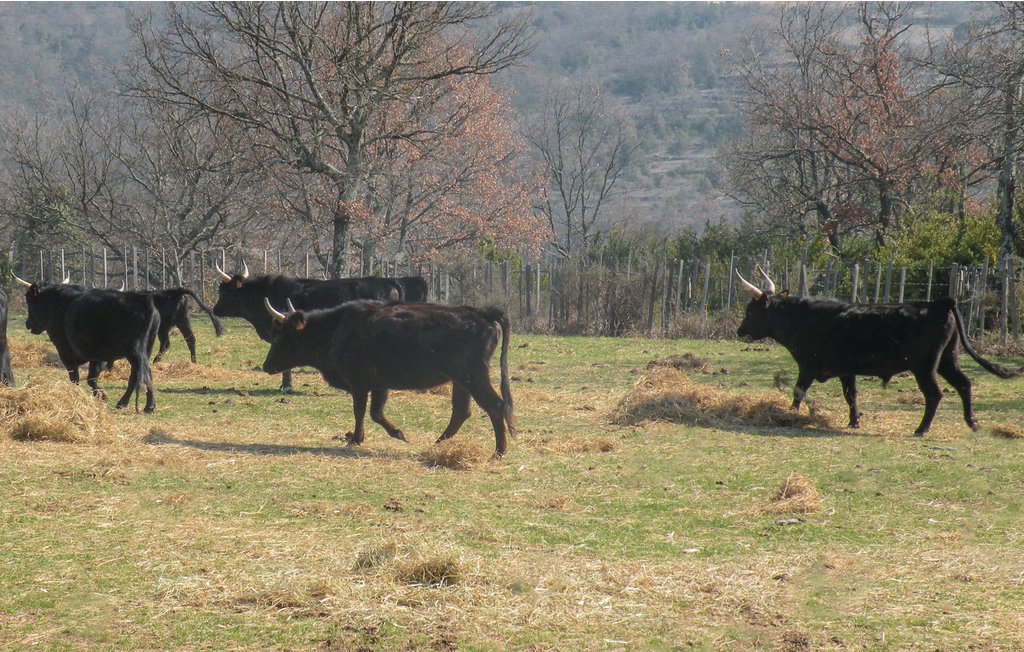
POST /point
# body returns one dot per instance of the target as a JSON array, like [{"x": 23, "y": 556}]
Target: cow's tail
[
  {"x": 217, "y": 327},
  {"x": 500, "y": 318},
  {"x": 991, "y": 367}
]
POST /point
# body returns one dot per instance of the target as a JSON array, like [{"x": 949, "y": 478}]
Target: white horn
[
  {"x": 123, "y": 287},
  {"x": 279, "y": 316},
  {"x": 291, "y": 308},
  {"x": 67, "y": 279},
  {"x": 748, "y": 286},
  {"x": 223, "y": 275},
  {"x": 22, "y": 282},
  {"x": 771, "y": 284},
  {"x": 245, "y": 269}
]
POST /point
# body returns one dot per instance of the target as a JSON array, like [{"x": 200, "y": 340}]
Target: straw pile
[
  {"x": 57, "y": 411},
  {"x": 457, "y": 453},
  {"x": 665, "y": 394},
  {"x": 797, "y": 495},
  {"x": 1008, "y": 430},
  {"x": 684, "y": 362}
]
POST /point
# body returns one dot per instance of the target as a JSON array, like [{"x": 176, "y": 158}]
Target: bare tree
[
  {"x": 987, "y": 67},
  {"x": 320, "y": 86},
  {"x": 586, "y": 150}
]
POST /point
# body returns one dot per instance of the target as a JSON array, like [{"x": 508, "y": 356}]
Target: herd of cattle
[{"x": 370, "y": 335}]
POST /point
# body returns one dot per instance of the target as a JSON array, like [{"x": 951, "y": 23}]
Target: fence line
[{"x": 592, "y": 297}]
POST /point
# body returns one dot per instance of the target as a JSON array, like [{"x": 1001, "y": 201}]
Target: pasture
[{"x": 232, "y": 518}]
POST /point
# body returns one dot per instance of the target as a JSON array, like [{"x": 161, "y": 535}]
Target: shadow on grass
[
  {"x": 202, "y": 391},
  {"x": 162, "y": 438}
]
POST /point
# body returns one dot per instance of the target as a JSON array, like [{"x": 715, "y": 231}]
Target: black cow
[
  {"x": 368, "y": 348},
  {"x": 96, "y": 326},
  {"x": 831, "y": 339},
  {"x": 6, "y": 375},
  {"x": 173, "y": 308},
  {"x": 242, "y": 296},
  {"x": 414, "y": 288}
]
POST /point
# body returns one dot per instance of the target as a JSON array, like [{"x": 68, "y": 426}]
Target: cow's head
[
  {"x": 231, "y": 292},
  {"x": 41, "y": 306},
  {"x": 757, "y": 322},
  {"x": 286, "y": 344}
]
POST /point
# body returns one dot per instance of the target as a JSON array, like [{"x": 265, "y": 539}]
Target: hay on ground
[
  {"x": 457, "y": 453},
  {"x": 665, "y": 394},
  {"x": 797, "y": 495},
  {"x": 440, "y": 571},
  {"x": 34, "y": 353},
  {"x": 683, "y": 362},
  {"x": 1008, "y": 430},
  {"x": 58, "y": 411}
]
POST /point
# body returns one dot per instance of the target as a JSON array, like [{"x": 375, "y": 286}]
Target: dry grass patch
[
  {"x": 665, "y": 394},
  {"x": 38, "y": 352},
  {"x": 684, "y": 362},
  {"x": 57, "y": 411},
  {"x": 459, "y": 454},
  {"x": 574, "y": 444},
  {"x": 438, "y": 571},
  {"x": 797, "y": 495},
  {"x": 1008, "y": 431},
  {"x": 376, "y": 556}
]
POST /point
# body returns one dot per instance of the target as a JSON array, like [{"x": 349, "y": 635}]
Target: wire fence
[{"x": 658, "y": 298}]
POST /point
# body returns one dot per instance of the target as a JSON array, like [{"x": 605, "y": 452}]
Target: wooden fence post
[{"x": 855, "y": 282}]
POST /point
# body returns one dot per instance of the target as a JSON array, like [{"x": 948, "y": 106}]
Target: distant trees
[
  {"x": 586, "y": 149},
  {"x": 380, "y": 105},
  {"x": 840, "y": 129}
]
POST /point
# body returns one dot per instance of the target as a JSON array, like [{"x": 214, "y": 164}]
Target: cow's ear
[
  {"x": 783, "y": 294},
  {"x": 300, "y": 321},
  {"x": 238, "y": 283},
  {"x": 34, "y": 291}
]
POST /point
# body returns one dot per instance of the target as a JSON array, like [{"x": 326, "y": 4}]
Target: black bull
[
  {"x": 830, "y": 339},
  {"x": 368, "y": 348},
  {"x": 94, "y": 327},
  {"x": 242, "y": 296}
]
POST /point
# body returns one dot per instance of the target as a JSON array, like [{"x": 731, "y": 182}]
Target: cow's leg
[
  {"x": 378, "y": 398},
  {"x": 929, "y": 385},
  {"x": 359, "y": 410},
  {"x": 286, "y": 381},
  {"x": 483, "y": 393},
  {"x": 133, "y": 381},
  {"x": 73, "y": 374},
  {"x": 949, "y": 370},
  {"x": 460, "y": 412},
  {"x": 850, "y": 394},
  {"x": 803, "y": 383},
  {"x": 147, "y": 379},
  {"x": 165, "y": 343},
  {"x": 92, "y": 379},
  {"x": 190, "y": 337}
]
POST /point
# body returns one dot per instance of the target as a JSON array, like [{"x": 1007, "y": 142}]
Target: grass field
[{"x": 232, "y": 518}]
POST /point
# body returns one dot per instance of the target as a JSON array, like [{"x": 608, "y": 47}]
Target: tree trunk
[
  {"x": 1007, "y": 183},
  {"x": 342, "y": 223}
]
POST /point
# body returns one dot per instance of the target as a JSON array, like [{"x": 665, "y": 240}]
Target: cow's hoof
[
  {"x": 919, "y": 433},
  {"x": 286, "y": 390},
  {"x": 352, "y": 440},
  {"x": 149, "y": 409},
  {"x": 121, "y": 406},
  {"x": 398, "y": 434},
  {"x": 973, "y": 425},
  {"x": 854, "y": 425}
]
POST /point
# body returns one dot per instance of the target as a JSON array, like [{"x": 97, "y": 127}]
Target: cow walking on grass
[
  {"x": 96, "y": 326},
  {"x": 368, "y": 347},
  {"x": 830, "y": 339},
  {"x": 242, "y": 296},
  {"x": 172, "y": 305}
]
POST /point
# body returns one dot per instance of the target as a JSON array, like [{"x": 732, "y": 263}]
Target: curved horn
[
  {"x": 123, "y": 287},
  {"x": 67, "y": 279},
  {"x": 224, "y": 276},
  {"x": 748, "y": 286},
  {"x": 22, "y": 282},
  {"x": 278, "y": 316},
  {"x": 291, "y": 307},
  {"x": 245, "y": 269},
  {"x": 771, "y": 284}
]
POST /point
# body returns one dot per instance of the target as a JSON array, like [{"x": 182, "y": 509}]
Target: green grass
[{"x": 231, "y": 518}]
